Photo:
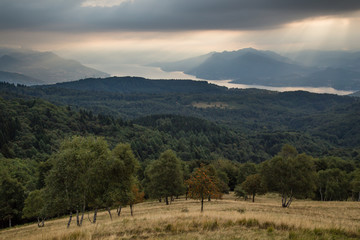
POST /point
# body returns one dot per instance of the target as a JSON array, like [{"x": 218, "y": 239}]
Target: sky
[{"x": 110, "y": 33}]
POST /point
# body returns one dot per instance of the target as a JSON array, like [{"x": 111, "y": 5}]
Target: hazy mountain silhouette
[
  {"x": 336, "y": 69},
  {"x": 45, "y": 66},
  {"x": 247, "y": 65},
  {"x": 327, "y": 59},
  {"x": 182, "y": 65},
  {"x": 259, "y": 66},
  {"x": 17, "y": 78}
]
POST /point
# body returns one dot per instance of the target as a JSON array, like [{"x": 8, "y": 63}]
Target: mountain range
[
  {"x": 337, "y": 69},
  {"x": 30, "y": 67}
]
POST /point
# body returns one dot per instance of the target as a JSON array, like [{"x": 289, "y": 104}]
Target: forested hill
[
  {"x": 140, "y": 85},
  {"x": 317, "y": 124},
  {"x": 33, "y": 128}
]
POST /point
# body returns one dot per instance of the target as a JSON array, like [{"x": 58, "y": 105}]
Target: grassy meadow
[{"x": 222, "y": 219}]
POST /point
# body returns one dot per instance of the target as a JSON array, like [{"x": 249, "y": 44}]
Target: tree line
[{"x": 86, "y": 175}]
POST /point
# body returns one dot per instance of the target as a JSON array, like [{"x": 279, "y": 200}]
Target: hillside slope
[{"x": 314, "y": 123}]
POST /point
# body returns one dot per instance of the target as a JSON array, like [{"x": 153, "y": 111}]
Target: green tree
[
  {"x": 12, "y": 197},
  {"x": 165, "y": 177},
  {"x": 201, "y": 185},
  {"x": 244, "y": 170},
  {"x": 34, "y": 207},
  {"x": 230, "y": 169},
  {"x": 121, "y": 177},
  {"x": 290, "y": 174},
  {"x": 240, "y": 192},
  {"x": 355, "y": 184},
  {"x": 78, "y": 176},
  {"x": 333, "y": 184},
  {"x": 253, "y": 185}
]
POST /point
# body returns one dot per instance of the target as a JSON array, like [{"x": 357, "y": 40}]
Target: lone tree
[
  {"x": 202, "y": 184},
  {"x": 290, "y": 174},
  {"x": 253, "y": 185},
  {"x": 165, "y": 177}
]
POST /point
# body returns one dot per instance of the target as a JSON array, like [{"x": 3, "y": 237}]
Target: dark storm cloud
[{"x": 164, "y": 15}]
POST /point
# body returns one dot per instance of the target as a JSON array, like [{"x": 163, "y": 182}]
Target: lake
[{"x": 157, "y": 73}]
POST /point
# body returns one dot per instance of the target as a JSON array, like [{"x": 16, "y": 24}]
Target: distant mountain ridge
[
  {"x": 339, "y": 70},
  {"x": 246, "y": 64},
  {"x": 45, "y": 67}
]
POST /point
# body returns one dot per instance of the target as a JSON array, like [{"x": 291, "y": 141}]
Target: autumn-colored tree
[
  {"x": 137, "y": 197},
  {"x": 202, "y": 184}
]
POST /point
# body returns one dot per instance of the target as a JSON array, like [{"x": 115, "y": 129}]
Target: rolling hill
[{"x": 140, "y": 85}]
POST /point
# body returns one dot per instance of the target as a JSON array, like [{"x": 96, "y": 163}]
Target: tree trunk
[
  {"x": 109, "y": 211},
  {"x": 285, "y": 202},
  {"x": 68, "y": 225},
  {"x": 95, "y": 214},
  {"x": 82, "y": 216},
  {"x": 77, "y": 218},
  {"x": 209, "y": 198},
  {"x": 167, "y": 200},
  {"x": 42, "y": 223},
  {"x": 289, "y": 202},
  {"x": 359, "y": 197},
  {"x": 131, "y": 210},
  {"x": 202, "y": 204},
  {"x": 253, "y": 197},
  {"x": 160, "y": 199},
  {"x": 9, "y": 222},
  {"x": 118, "y": 211},
  {"x": 321, "y": 195}
]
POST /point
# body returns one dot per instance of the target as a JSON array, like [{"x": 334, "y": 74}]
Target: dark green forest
[{"x": 234, "y": 131}]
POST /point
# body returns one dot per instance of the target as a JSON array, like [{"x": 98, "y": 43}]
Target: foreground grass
[{"x": 222, "y": 219}]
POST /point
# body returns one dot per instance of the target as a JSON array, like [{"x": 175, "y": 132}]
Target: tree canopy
[
  {"x": 203, "y": 184},
  {"x": 290, "y": 174},
  {"x": 165, "y": 176}
]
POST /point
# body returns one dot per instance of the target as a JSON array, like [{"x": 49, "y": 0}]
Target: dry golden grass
[{"x": 222, "y": 219}]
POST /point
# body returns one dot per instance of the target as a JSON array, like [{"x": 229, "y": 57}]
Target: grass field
[{"x": 221, "y": 219}]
